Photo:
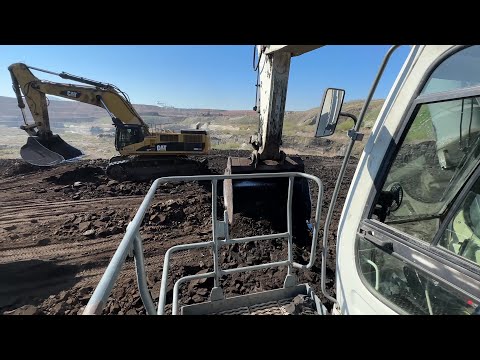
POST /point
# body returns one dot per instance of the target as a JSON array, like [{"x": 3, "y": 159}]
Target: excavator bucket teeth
[{"x": 49, "y": 152}]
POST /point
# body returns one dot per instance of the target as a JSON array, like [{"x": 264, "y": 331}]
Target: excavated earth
[{"x": 59, "y": 228}]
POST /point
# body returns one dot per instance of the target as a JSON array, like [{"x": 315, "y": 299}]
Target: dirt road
[{"x": 59, "y": 228}]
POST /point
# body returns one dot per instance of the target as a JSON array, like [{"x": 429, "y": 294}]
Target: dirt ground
[{"x": 59, "y": 228}]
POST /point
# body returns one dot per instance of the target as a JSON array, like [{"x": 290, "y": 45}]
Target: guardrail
[{"x": 132, "y": 244}]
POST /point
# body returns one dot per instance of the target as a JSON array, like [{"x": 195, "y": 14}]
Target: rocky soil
[{"x": 59, "y": 228}]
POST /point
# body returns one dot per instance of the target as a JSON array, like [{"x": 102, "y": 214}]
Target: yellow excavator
[{"x": 143, "y": 154}]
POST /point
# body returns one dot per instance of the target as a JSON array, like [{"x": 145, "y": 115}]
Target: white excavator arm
[{"x": 274, "y": 68}]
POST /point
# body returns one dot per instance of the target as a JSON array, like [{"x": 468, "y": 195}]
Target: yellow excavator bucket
[{"x": 48, "y": 152}]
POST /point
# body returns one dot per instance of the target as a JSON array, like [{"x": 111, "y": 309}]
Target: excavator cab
[{"x": 127, "y": 135}]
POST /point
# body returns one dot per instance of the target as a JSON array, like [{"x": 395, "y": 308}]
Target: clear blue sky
[{"x": 201, "y": 76}]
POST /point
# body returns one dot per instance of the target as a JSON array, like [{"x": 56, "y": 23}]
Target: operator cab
[
  {"x": 418, "y": 243},
  {"x": 127, "y": 135},
  {"x": 432, "y": 193}
]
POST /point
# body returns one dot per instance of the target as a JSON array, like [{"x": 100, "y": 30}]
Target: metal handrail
[{"x": 132, "y": 243}]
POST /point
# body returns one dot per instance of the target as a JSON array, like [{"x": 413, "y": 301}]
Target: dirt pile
[
  {"x": 89, "y": 181},
  {"x": 16, "y": 167}
]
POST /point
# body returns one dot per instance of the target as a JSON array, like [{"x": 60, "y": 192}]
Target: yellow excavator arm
[{"x": 103, "y": 95}]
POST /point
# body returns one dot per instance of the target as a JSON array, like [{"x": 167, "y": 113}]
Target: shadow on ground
[{"x": 33, "y": 281}]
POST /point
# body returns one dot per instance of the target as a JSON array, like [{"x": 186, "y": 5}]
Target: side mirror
[{"x": 329, "y": 112}]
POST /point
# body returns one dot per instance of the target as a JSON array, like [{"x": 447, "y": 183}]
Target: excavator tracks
[{"x": 141, "y": 169}]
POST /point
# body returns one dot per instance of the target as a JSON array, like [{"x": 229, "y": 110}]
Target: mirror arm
[{"x": 351, "y": 116}]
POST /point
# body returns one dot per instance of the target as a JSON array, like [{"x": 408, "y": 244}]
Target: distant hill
[{"x": 74, "y": 111}]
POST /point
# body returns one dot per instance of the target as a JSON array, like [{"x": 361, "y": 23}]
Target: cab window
[
  {"x": 438, "y": 154},
  {"x": 129, "y": 135},
  {"x": 459, "y": 71},
  {"x": 462, "y": 235}
]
